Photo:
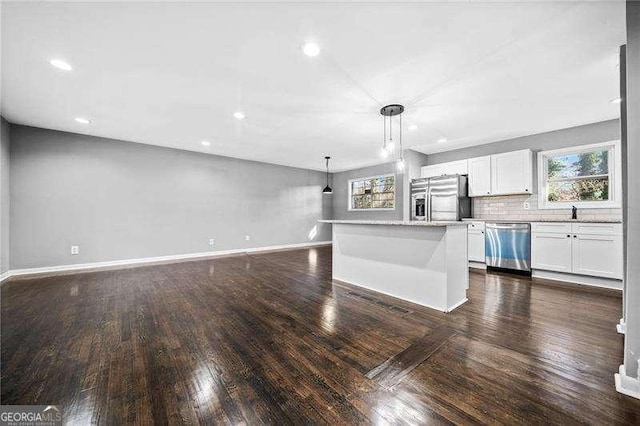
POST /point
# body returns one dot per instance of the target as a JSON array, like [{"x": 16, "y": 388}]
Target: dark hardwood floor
[{"x": 268, "y": 338}]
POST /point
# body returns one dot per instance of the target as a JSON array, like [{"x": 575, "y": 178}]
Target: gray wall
[
  {"x": 341, "y": 193},
  {"x": 413, "y": 161},
  {"x": 121, "y": 200},
  {"x": 632, "y": 99},
  {"x": 4, "y": 195},
  {"x": 573, "y": 136}
]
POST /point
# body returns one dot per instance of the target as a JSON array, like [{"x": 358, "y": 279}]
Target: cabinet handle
[
  {"x": 568, "y": 236},
  {"x": 575, "y": 236},
  {"x": 526, "y": 190}
]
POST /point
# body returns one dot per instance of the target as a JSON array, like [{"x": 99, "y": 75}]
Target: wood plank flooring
[{"x": 269, "y": 338}]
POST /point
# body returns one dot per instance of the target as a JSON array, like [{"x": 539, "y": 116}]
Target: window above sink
[{"x": 585, "y": 176}]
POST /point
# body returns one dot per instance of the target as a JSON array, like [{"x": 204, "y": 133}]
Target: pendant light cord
[
  {"x": 327, "y": 158},
  {"x": 384, "y": 132},
  {"x": 401, "y": 153}
]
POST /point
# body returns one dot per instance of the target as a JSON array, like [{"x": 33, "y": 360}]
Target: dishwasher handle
[{"x": 517, "y": 227}]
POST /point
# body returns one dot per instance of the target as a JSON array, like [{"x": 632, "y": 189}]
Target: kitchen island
[{"x": 422, "y": 262}]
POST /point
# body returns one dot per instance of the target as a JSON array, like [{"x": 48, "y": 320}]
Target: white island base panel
[{"x": 426, "y": 265}]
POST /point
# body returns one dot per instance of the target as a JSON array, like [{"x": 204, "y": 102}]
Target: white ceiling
[{"x": 173, "y": 74}]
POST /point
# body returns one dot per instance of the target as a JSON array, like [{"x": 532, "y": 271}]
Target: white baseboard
[
  {"x": 351, "y": 283},
  {"x": 151, "y": 260},
  {"x": 457, "y": 305},
  {"x": 477, "y": 265},
  {"x": 578, "y": 279},
  {"x": 627, "y": 385}
]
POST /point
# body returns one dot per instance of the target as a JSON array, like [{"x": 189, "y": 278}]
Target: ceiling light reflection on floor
[{"x": 329, "y": 315}]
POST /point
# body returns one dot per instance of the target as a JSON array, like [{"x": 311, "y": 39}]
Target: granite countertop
[
  {"x": 395, "y": 222},
  {"x": 507, "y": 220}
]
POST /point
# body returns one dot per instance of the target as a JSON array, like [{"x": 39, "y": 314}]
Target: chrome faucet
[{"x": 574, "y": 212}]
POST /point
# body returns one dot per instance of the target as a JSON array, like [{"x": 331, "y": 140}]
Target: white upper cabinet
[
  {"x": 452, "y": 168},
  {"x": 501, "y": 174},
  {"x": 512, "y": 173},
  {"x": 456, "y": 168},
  {"x": 431, "y": 171},
  {"x": 479, "y": 176}
]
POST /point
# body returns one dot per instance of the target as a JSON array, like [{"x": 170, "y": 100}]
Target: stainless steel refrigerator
[{"x": 441, "y": 198}]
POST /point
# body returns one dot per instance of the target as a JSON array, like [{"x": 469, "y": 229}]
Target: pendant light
[
  {"x": 327, "y": 189},
  {"x": 388, "y": 144}
]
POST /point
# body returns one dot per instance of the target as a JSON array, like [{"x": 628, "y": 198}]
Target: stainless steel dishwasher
[{"x": 508, "y": 246}]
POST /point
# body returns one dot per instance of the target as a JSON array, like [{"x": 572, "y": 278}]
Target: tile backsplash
[{"x": 512, "y": 207}]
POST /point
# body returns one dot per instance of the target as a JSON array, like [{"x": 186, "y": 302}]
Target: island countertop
[{"x": 395, "y": 222}]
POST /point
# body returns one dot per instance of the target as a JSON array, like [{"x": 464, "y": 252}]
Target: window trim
[
  {"x": 615, "y": 177},
  {"x": 381, "y": 209}
]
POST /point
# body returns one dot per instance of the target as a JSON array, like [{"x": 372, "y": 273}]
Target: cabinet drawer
[
  {"x": 551, "y": 227},
  {"x": 597, "y": 228},
  {"x": 476, "y": 226}
]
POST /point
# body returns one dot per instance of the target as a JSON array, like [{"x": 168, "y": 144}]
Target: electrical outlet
[
  {"x": 526, "y": 205},
  {"x": 247, "y": 238},
  {"x": 75, "y": 249},
  {"x": 211, "y": 241}
]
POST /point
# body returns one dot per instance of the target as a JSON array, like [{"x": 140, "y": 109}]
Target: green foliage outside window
[{"x": 578, "y": 177}]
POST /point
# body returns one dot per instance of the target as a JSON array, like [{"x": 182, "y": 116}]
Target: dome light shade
[{"x": 327, "y": 189}]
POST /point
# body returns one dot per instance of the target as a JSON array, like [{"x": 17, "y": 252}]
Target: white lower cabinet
[
  {"x": 475, "y": 242},
  {"x": 587, "y": 249},
  {"x": 476, "y": 246},
  {"x": 598, "y": 255},
  {"x": 551, "y": 252}
]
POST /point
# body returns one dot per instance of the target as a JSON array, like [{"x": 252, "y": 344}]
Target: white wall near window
[{"x": 587, "y": 176}]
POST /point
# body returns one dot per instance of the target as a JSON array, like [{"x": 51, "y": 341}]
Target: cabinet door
[
  {"x": 511, "y": 173},
  {"x": 456, "y": 168},
  {"x": 476, "y": 246},
  {"x": 431, "y": 171},
  {"x": 479, "y": 176},
  {"x": 551, "y": 251},
  {"x": 597, "y": 255}
]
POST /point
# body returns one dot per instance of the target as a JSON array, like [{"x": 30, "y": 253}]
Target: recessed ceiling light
[
  {"x": 83, "y": 120},
  {"x": 413, "y": 127},
  {"x": 60, "y": 64},
  {"x": 615, "y": 101},
  {"x": 311, "y": 49},
  {"x": 239, "y": 115},
  {"x": 205, "y": 143},
  {"x": 442, "y": 140}
]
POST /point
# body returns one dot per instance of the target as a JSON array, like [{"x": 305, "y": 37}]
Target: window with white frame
[
  {"x": 373, "y": 193},
  {"x": 586, "y": 176}
]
